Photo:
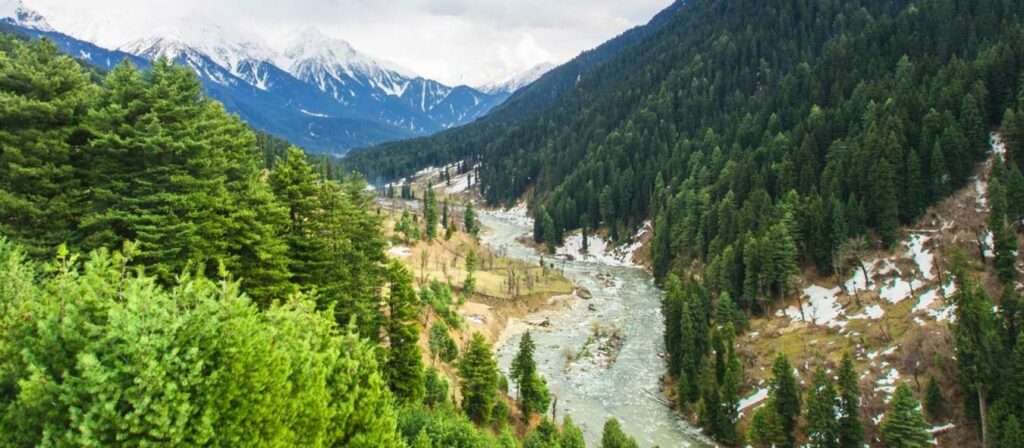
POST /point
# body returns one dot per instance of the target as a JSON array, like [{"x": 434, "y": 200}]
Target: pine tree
[
  {"x": 469, "y": 285},
  {"x": 572, "y": 435},
  {"x": 765, "y": 429},
  {"x": 977, "y": 344},
  {"x": 822, "y": 426},
  {"x": 442, "y": 346},
  {"x": 436, "y": 387},
  {"x": 851, "y": 433},
  {"x": 785, "y": 394},
  {"x": 478, "y": 375},
  {"x": 934, "y": 403},
  {"x": 469, "y": 220},
  {"x": 430, "y": 213},
  {"x": 614, "y": 437},
  {"x": 904, "y": 426},
  {"x": 916, "y": 191},
  {"x": 886, "y": 202},
  {"x": 404, "y": 366},
  {"x": 44, "y": 96},
  {"x": 1006, "y": 253},
  {"x": 533, "y": 393}
]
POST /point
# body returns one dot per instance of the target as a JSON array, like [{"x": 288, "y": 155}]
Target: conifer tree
[
  {"x": 469, "y": 220},
  {"x": 442, "y": 346},
  {"x": 430, "y": 213},
  {"x": 785, "y": 394},
  {"x": 44, "y": 97},
  {"x": 436, "y": 387},
  {"x": 765, "y": 429},
  {"x": 614, "y": 437},
  {"x": 572, "y": 435},
  {"x": 1006, "y": 253},
  {"x": 851, "y": 433},
  {"x": 822, "y": 426},
  {"x": 478, "y": 376},
  {"x": 934, "y": 403},
  {"x": 404, "y": 367},
  {"x": 904, "y": 426},
  {"x": 469, "y": 285},
  {"x": 977, "y": 344},
  {"x": 533, "y": 393}
]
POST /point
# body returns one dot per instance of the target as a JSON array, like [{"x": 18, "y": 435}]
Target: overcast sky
[{"x": 453, "y": 41}]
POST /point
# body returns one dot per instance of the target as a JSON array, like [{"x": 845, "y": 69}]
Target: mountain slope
[
  {"x": 399, "y": 159},
  {"x": 313, "y": 90}
]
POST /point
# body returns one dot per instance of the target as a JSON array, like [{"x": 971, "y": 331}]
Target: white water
[{"x": 629, "y": 389}]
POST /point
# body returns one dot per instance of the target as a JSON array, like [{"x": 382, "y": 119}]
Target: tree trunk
[{"x": 983, "y": 409}]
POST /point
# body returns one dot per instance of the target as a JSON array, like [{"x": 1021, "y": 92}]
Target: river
[{"x": 623, "y": 297}]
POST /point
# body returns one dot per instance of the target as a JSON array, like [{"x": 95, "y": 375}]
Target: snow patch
[
  {"x": 821, "y": 308},
  {"x": 923, "y": 258},
  {"x": 758, "y": 397},
  {"x": 897, "y": 291},
  {"x": 400, "y": 252},
  {"x": 873, "y": 312}
]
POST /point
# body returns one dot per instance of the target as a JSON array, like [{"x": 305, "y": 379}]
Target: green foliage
[
  {"x": 44, "y": 97},
  {"x": 851, "y": 433},
  {"x": 445, "y": 428},
  {"x": 430, "y": 213},
  {"x": 442, "y": 346},
  {"x": 785, "y": 393},
  {"x": 469, "y": 285},
  {"x": 614, "y": 437},
  {"x": 766, "y": 428},
  {"x": 822, "y": 426},
  {"x": 533, "y": 391},
  {"x": 1006, "y": 253},
  {"x": 904, "y": 425},
  {"x": 469, "y": 220},
  {"x": 572, "y": 435},
  {"x": 438, "y": 296},
  {"x": 404, "y": 366},
  {"x": 478, "y": 376},
  {"x": 436, "y": 387},
  {"x": 129, "y": 362},
  {"x": 934, "y": 402}
]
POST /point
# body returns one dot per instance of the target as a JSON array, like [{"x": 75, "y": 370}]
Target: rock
[
  {"x": 591, "y": 308},
  {"x": 584, "y": 293}
]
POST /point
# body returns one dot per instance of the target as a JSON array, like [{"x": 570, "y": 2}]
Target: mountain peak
[
  {"x": 517, "y": 81},
  {"x": 226, "y": 47},
  {"x": 310, "y": 45},
  {"x": 15, "y": 12}
]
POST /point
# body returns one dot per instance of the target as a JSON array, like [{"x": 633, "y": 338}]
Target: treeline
[{"x": 220, "y": 298}]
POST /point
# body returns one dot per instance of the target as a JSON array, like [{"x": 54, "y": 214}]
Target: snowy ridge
[
  {"x": 16, "y": 13},
  {"x": 515, "y": 82}
]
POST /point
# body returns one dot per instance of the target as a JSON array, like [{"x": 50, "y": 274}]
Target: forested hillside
[
  {"x": 769, "y": 140},
  {"x": 169, "y": 278},
  {"x": 399, "y": 159}
]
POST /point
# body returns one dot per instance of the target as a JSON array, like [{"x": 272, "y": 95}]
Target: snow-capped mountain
[
  {"x": 315, "y": 90},
  {"x": 515, "y": 82},
  {"x": 14, "y": 12}
]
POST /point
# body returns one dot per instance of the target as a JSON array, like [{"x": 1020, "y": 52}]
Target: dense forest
[
  {"x": 171, "y": 278},
  {"x": 767, "y": 140}
]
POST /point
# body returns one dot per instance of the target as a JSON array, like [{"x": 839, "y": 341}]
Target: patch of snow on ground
[
  {"x": 600, "y": 250},
  {"x": 518, "y": 215},
  {"x": 821, "y": 307},
  {"x": 981, "y": 190},
  {"x": 888, "y": 383},
  {"x": 873, "y": 312},
  {"x": 943, "y": 428},
  {"x": 885, "y": 352},
  {"x": 858, "y": 282},
  {"x": 897, "y": 291},
  {"x": 989, "y": 244},
  {"x": 399, "y": 251},
  {"x": 757, "y": 397},
  {"x": 924, "y": 259},
  {"x": 998, "y": 147},
  {"x": 925, "y": 302}
]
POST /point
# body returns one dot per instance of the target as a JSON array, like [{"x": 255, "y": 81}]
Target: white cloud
[{"x": 454, "y": 41}]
